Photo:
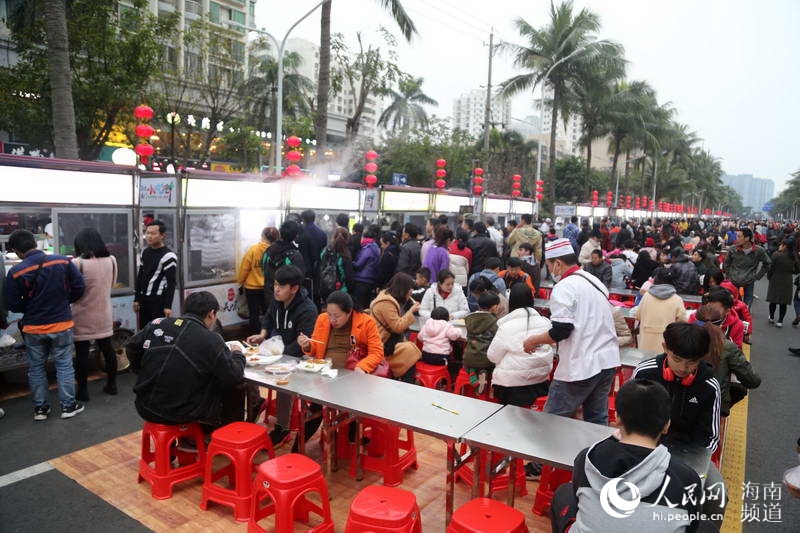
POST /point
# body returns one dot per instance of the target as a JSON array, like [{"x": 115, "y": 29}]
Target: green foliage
[
  {"x": 406, "y": 109},
  {"x": 571, "y": 181},
  {"x": 113, "y": 54},
  {"x": 243, "y": 145}
]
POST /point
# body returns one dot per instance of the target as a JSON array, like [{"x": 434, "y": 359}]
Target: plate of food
[
  {"x": 280, "y": 368},
  {"x": 313, "y": 365},
  {"x": 255, "y": 359}
]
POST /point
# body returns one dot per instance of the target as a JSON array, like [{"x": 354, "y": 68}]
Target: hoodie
[
  {"x": 659, "y": 307},
  {"x": 739, "y": 306},
  {"x": 436, "y": 336},
  {"x": 366, "y": 264},
  {"x": 481, "y": 329},
  {"x": 289, "y": 322},
  {"x": 647, "y": 469},
  {"x": 278, "y": 254}
]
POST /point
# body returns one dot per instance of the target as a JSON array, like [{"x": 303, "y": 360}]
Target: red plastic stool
[
  {"x": 239, "y": 442},
  {"x": 155, "y": 464},
  {"x": 379, "y": 509},
  {"x": 383, "y": 452},
  {"x": 500, "y": 481},
  {"x": 285, "y": 481},
  {"x": 463, "y": 387},
  {"x": 551, "y": 479},
  {"x": 483, "y": 515},
  {"x": 433, "y": 376},
  {"x": 539, "y": 403}
]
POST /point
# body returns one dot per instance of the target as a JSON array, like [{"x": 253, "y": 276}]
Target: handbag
[
  {"x": 400, "y": 354},
  {"x": 357, "y": 353}
]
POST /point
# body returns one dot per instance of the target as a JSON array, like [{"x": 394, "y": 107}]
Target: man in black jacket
[
  {"x": 354, "y": 242},
  {"x": 281, "y": 253},
  {"x": 186, "y": 373},
  {"x": 410, "y": 251},
  {"x": 686, "y": 279},
  {"x": 312, "y": 241},
  {"x": 291, "y": 313},
  {"x": 482, "y": 246},
  {"x": 696, "y": 399}
]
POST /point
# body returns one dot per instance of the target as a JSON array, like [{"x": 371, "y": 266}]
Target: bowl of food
[{"x": 256, "y": 360}]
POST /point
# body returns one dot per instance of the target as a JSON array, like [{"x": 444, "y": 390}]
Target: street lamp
[{"x": 281, "y": 46}]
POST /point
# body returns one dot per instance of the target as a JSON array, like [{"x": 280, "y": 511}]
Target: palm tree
[
  {"x": 65, "y": 136},
  {"x": 555, "y": 52},
  {"x": 262, "y": 88},
  {"x": 407, "y": 28},
  {"x": 406, "y": 109}
]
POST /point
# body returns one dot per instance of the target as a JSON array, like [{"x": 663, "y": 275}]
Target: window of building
[
  {"x": 213, "y": 12},
  {"x": 237, "y": 16},
  {"x": 237, "y": 51},
  {"x": 252, "y": 13}
]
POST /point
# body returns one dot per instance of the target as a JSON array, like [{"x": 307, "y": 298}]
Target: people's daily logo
[{"x": 613, "y": 504}]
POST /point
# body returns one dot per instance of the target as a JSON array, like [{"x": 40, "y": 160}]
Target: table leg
[
  {"x": 512, "y": 477},
  {"x": 359, "y": 450},
  {"x": 477, "y": 486},
  {"x": 326, "y": 440},
  {"x": 301, "y": 431},
  {"x": 450, "y": 482},
  {"x": 489, "y": 473}
]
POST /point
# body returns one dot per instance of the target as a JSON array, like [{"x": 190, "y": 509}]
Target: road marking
[
  {"x": 25, "y": 473},
  {"x": 734, "y": 459}
]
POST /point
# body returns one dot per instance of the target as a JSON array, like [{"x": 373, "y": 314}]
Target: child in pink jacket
[{"x": 436, "y": 336}]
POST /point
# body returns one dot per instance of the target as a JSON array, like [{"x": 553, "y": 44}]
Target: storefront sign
[
  {"x": 405, "y": 201},
  {"x": 564, "y": 210},
  {"x": 227, "y": 295},
  {"x": 370, "y": 200},
  {"x": 158, "y": 192}
]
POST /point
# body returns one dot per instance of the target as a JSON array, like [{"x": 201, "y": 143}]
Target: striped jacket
[
  {"x": 155, "y": 280},
  {"x": 695, "y": 408},
  {"x": 42, "y": 287}
]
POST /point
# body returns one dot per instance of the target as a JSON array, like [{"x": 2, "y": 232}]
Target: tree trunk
[
  {"x": 588, "y": 166},
  {"x": 63, "y": 109},
  {"x": 614, "y": 176},
  {"x": 551, "y": 171},
  {"x": 324, "y": 80}
]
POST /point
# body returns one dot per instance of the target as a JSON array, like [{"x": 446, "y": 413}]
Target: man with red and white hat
[{"x": 583, "y": 329}]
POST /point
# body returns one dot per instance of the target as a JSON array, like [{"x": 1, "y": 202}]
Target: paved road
[{"x": 772, "y": 420}]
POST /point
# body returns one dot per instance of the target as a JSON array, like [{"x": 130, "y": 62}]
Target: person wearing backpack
[
  {"x": 336, "y": 266},
  {"x": 280, "y": 253}
]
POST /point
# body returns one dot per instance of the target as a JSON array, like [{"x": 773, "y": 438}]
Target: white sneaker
[
  {"x": 2, "y": 413},
  {"x": 7, "y": 340},
  {"x": 771, "y": 320},
  {"x": 778, "y": 324}
]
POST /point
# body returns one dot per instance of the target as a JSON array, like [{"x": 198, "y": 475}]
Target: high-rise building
[
  {"x": 469, "y": 112},
  {"x": 570, "y": 133},
  {"x": 755, "y": 192}
]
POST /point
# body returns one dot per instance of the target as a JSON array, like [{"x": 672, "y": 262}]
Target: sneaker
[
  {"x": 72, "y": 410},
  {"x": 2, "y": 413},
  {"x": 533, "y": 471},
  {"x": 41, "y": 413},
  {"x": 778, "y": 324},
  {"x": 771, "y": 320},
  {"x": 796, "y": 321},
  {"x": 111, "y": 389}
]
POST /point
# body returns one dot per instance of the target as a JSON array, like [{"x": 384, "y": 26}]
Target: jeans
[
  {"x": 796, "y": 303},
  {"x": 38, "y": 347},
  {"x": 564, "y": 397},
  {"x": 748, "y": 293}
]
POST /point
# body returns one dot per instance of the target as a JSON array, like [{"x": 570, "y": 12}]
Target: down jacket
[
  {"x": 513, "y": 366},
  {"x": 459, "y": 266}
]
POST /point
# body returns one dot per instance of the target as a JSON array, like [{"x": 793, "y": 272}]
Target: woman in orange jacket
[{"x": 341, "y": 329}]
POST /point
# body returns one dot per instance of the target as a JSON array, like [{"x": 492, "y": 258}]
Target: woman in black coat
[
  {"x": 643, "y": 269},
  {"x": 390, "y": 252}
]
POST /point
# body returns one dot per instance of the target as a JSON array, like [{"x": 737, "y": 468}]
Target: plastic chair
[
  {"x": 551, "y": 479},
  {"x": 239, "y": 442},
  {"x": 286, "y": 482},
  {"x": 155, "y": 463},
  {"x": 379, "y": 509},
  {"x": 499, "y": 482},
  {"x": 483, "y": 515},
  {"x": 384, "y": 452},
  {"x": 433, "y": 376}
]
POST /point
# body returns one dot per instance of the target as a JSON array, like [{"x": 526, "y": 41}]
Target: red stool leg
[{"x": 551, "y": 479}]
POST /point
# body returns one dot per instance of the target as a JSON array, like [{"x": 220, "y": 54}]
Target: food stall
[
  {"x": 452, "y": 205},
  {"x": 328, "y": 202},
  {"x": 498, "y": 207},
  {"x": 406, "y": 204},
  {"x": 55, "y": 199}
]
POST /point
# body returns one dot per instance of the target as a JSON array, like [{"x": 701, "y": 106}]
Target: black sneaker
[
  {"x": 533, "y": 471},
  {"x": 72, "y": 410},
  {"x": 41, "y": 413}
]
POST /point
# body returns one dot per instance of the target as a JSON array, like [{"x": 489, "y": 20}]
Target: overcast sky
[{"x": 729, "y": 67}]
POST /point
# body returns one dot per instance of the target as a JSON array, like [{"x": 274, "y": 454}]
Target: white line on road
[{"x": 25, "y": 473}]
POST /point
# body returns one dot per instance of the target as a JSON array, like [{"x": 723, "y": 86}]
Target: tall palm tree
[
  {"x": 556, "y": 51},
  {"x": 406, "y": 110},
  {"x": 65, "y": 136},
  {"x": 262, "y": 87},
  {"x": 407, "y": 28}
]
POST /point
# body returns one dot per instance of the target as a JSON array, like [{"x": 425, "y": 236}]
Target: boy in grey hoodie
[{"x": 629, "y": 482}]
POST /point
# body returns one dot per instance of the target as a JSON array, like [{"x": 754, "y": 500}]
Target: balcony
[{"x": 194, "y": 7}]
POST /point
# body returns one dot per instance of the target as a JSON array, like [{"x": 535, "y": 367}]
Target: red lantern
[
  {"x": 477, "y": 189},
  {"x": 144, "y": 130},
  {"x": 539, "y": 182},
  {"x": 539, "y": 189},
  {"x": 293, "y": 170},
  {"x": 539, "y": 196},
  {"x": 516, "y": 185},
  {"x": 478, "y": 171},
  {"x": 594, "y": 203},
  {"x": 370, "y": 180},
  {"x": 478, "y": 180},
  {"x": 372, "y": 155},
  {"x": 441, "y": 173},
  {"x": 516, "y": 177},
  {"x": 594, "y": 193},
  {"x": 294, "y": 155},
  {"x": 145, "y": 150},
  {"x": 440, "y": 183},
  {"x": 371, "y": 167},
  {"x": 441, "y": 163},
  {"x": 143, "y": 112},
  {"x": 515, "y": 193},
  {"x": 293, "y": 141}
]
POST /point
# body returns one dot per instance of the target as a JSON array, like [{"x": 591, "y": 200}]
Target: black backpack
[{"x": 330, "y": 275}]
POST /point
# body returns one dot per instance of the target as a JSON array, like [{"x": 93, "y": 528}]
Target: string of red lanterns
[
  {"x": 371, "y": 168},
  {"x": 441, "y": 173},
  {"x": 516, "y": 185},
  {"x": 595, "y": 195},
  {"x": 294, "y": 156},
  {"x": 477, "y": 180},
  {"x": 609, "y": 198},
  {"x": 539, "y": 190},
  {"x": 144, "y": 149}
]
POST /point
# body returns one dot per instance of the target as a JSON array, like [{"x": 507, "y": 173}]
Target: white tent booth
[
  {"x": 406, "y": 204},
  {"x": 499, "y": 208}
]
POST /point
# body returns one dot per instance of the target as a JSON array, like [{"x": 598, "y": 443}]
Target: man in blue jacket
[{"x": 42, "y": 287}]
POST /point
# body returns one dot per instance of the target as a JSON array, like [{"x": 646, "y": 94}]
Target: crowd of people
[{"x": 379, "y": 299}]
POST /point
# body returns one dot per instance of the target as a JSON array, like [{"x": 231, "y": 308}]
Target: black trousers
[
  {"x": 82, "y": 364},
  {"x": 521, "y": 396},
  {"x": 256, "y": 307},
  {"x": 362, "y": 295},
  {"x": 149, "y": 310}
]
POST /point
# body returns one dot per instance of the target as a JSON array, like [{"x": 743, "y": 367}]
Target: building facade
[
  {"x": 469, "y": 112},
  {"x": 755, "y": 192}
]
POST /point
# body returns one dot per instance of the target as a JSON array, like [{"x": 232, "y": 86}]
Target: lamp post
[{"x": 281, "y": 46}]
